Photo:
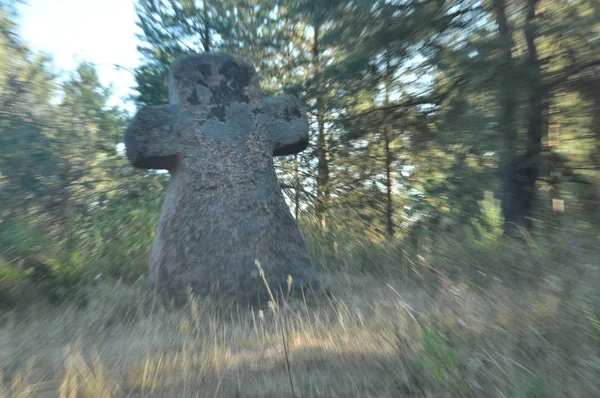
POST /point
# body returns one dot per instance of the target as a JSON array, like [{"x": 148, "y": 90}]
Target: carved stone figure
[{"x": 223, "y": 208}]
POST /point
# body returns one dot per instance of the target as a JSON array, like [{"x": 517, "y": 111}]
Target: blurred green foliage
[{"x": 488, "y": 226}]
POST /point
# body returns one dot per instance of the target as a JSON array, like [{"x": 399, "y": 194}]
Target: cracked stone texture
[{"x": 223, "y": 207}]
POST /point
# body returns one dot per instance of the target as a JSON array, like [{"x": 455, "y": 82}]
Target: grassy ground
[{"x": 451, "y": 319}]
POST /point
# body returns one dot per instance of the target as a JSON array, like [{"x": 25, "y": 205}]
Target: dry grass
[{"x": 452, "y": 322}]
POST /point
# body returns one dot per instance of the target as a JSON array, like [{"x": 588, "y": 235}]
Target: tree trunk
[
  {"x": 509, "y": 167},
  {"x": 537, "y": 120},
  {"x": 323, "y": 193},
  {"x": 387, "y": 135},
  {"x": 389, "y": 213},
  {"x": 555, "y": 174},
  {"x": 206, "y": 36}
]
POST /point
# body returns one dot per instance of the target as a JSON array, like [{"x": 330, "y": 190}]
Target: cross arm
[
  {"x": 151, "y": 139},
  {"x": 288, "y": 125}
]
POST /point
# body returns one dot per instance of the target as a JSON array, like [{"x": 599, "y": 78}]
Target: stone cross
[{"x": 223, "y": 208}]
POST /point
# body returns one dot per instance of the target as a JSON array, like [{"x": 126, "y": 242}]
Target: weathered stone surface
[{"x": 223, "y": 208}]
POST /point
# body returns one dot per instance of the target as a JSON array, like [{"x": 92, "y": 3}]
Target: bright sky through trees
[{"x": 98, "y": 31}]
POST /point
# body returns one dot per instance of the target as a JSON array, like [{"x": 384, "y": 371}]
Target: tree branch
[
  {"x": 436, "y": 100},
  {"x": 299, "y": 189},
  {"x": 570, "y": 71}
]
